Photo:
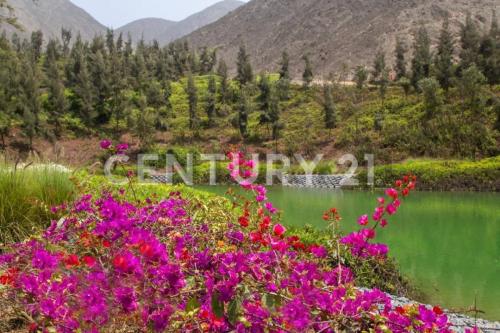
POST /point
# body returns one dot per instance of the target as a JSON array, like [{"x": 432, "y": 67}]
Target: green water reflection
[{"x": 448, "y": 243}]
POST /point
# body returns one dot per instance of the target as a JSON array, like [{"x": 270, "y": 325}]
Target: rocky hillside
[
  {"x": 50, "y": 16},
  {"x": 332, "y": 32},
  {"x": 166, "y": 31}
]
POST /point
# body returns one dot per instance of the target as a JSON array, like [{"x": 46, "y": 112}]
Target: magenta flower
[
  {"x": 279, "y": 230},
  {"x": 105, "y": 144}
]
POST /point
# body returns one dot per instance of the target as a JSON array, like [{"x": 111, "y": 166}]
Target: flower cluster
[
  {"x": 118, "y": 149},
  {"x": 360, "y": 241},
  {"x": 110, "y": 265}
]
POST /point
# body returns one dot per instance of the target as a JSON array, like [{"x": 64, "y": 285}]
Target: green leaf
[
  {"x": 192, "y": 305},
  {"x": 217, "y": 306},
  {"x": 233, "y": 311}
]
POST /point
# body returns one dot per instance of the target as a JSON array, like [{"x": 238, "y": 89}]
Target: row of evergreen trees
[{"x": 68, "y": 82}]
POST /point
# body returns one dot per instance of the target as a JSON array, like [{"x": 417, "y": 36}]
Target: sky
[{"x": 116, "y": 13}]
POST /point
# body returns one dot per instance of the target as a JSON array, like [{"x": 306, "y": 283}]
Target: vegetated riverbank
[{"x": 443, "y": 175}]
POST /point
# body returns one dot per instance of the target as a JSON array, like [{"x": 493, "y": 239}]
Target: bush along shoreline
[
  {"x": 174, "y": 264},
  {"x": 445, "y": 175}
]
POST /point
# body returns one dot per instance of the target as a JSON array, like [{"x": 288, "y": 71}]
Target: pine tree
[
  {"x": 329, "y": 107},
  {"x": 430, "y": 90},
  {"x": 265, "y": 92},
  {"x": 56, "y": 105},
  {"x": 274, "y": 115},
  {"x": 360, "y": 76},
  {"x": 283, "y": 85},
  {"x": 422, "y": 58},
  {"x": 469, "y": 40},
  {"x": 379, "y": 66},
  {"x": 83, "y": 102},
  {"x": 307, "y": 76},
  {"x": 208, "y": 60},
  {"x": 470, "y": 86},
  {"x": 489, "y": 51},
  {"x": 36, "y": 44},
  {"x": 400, "y": 55},
  {"x": 224, "y": 82},
  {"x": 144, "y": 121},
  {"x": 211, "y": 100},
  {"x": 192, "y": 93},
  {"x": 245, "y": 71},
  {"x": 285, "y": 66},
  {"x": 244, "y": 108},
  {"x": 100, "y": 75},
  {"x": 444, "y": 57},
  {"x": 30, "y": 99}
]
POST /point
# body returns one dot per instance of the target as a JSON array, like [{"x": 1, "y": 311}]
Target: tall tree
[
  {"x": 400, "y": 55},
  {"x": 56, "y": 105},
  {"x": 244, "y": 109},
  {"x": 143, "y": 122},
  {"x": 211, "y": 104},
  {"x": 307, "y": 76},
  {"x": 444, "y": 56},
  {"x": 360, "y": 76},
  {"x": 192, "y": 93},
  {"x": 30, "y": 99},
  {"x": 422, "y": 57},
  {"x": 329, "y": 107},
  {"x": 283, "y": 85},
  {"x": 469, "y": 40},
  {"x": 379, "y": 66},
  {"x": 245, "y": 71},
  {"x": 36, "y": 44},
  {"x": 274, "y": 115},
  {"x": 489, "y": 51},
  {"x": 285, "y": 66},
  {"x": 224, "y": 82}
]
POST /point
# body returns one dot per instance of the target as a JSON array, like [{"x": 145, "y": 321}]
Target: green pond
[{"x": 447, "y": 243}]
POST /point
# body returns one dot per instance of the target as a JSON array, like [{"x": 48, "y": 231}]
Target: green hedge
[{"x": 444, "y": 175}]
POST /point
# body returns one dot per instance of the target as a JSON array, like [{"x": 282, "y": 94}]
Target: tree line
[{"x": 69, "y": 83}]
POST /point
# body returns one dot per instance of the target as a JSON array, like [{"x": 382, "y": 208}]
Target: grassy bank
[
  {"x": 444, "y": 175},
  {"x": 26, "y": 196}
]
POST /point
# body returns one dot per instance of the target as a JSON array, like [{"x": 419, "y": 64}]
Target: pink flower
[
  {"x": 391, "y": 209},
  {"x": 390, "y": 192},
  {"x": 363, "y": 220},
  {"x": 105, "y": 144},
  {"x": 279, "y": 230}
]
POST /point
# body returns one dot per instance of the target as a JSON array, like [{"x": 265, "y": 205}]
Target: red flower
[
  {"x": 120, "y": 262},
  {"x": 406, "y": 192},
  {"x": 406, "y": 179},
  {"x": 106, "y": 243},
  {"x": 400, "y": 310},
  {"x": 89, "y": 261},
  {"x": 146, "y": 250},
  {"x": 72, "y": 261},
  {"x": 437, "y": 310},
  {"x": 244, "y": 221},
  {"x": 399, "y": 183}
]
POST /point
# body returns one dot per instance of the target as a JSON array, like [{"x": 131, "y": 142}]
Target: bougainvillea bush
[{"x": 114, "y": 266}]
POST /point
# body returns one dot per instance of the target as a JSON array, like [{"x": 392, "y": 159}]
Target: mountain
[
  {"x": 50, "y": 16},
  {"x": 147, "y": 28},
  {"x": 165, "y": 31},
  {"x": 332, "y": 32}
]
